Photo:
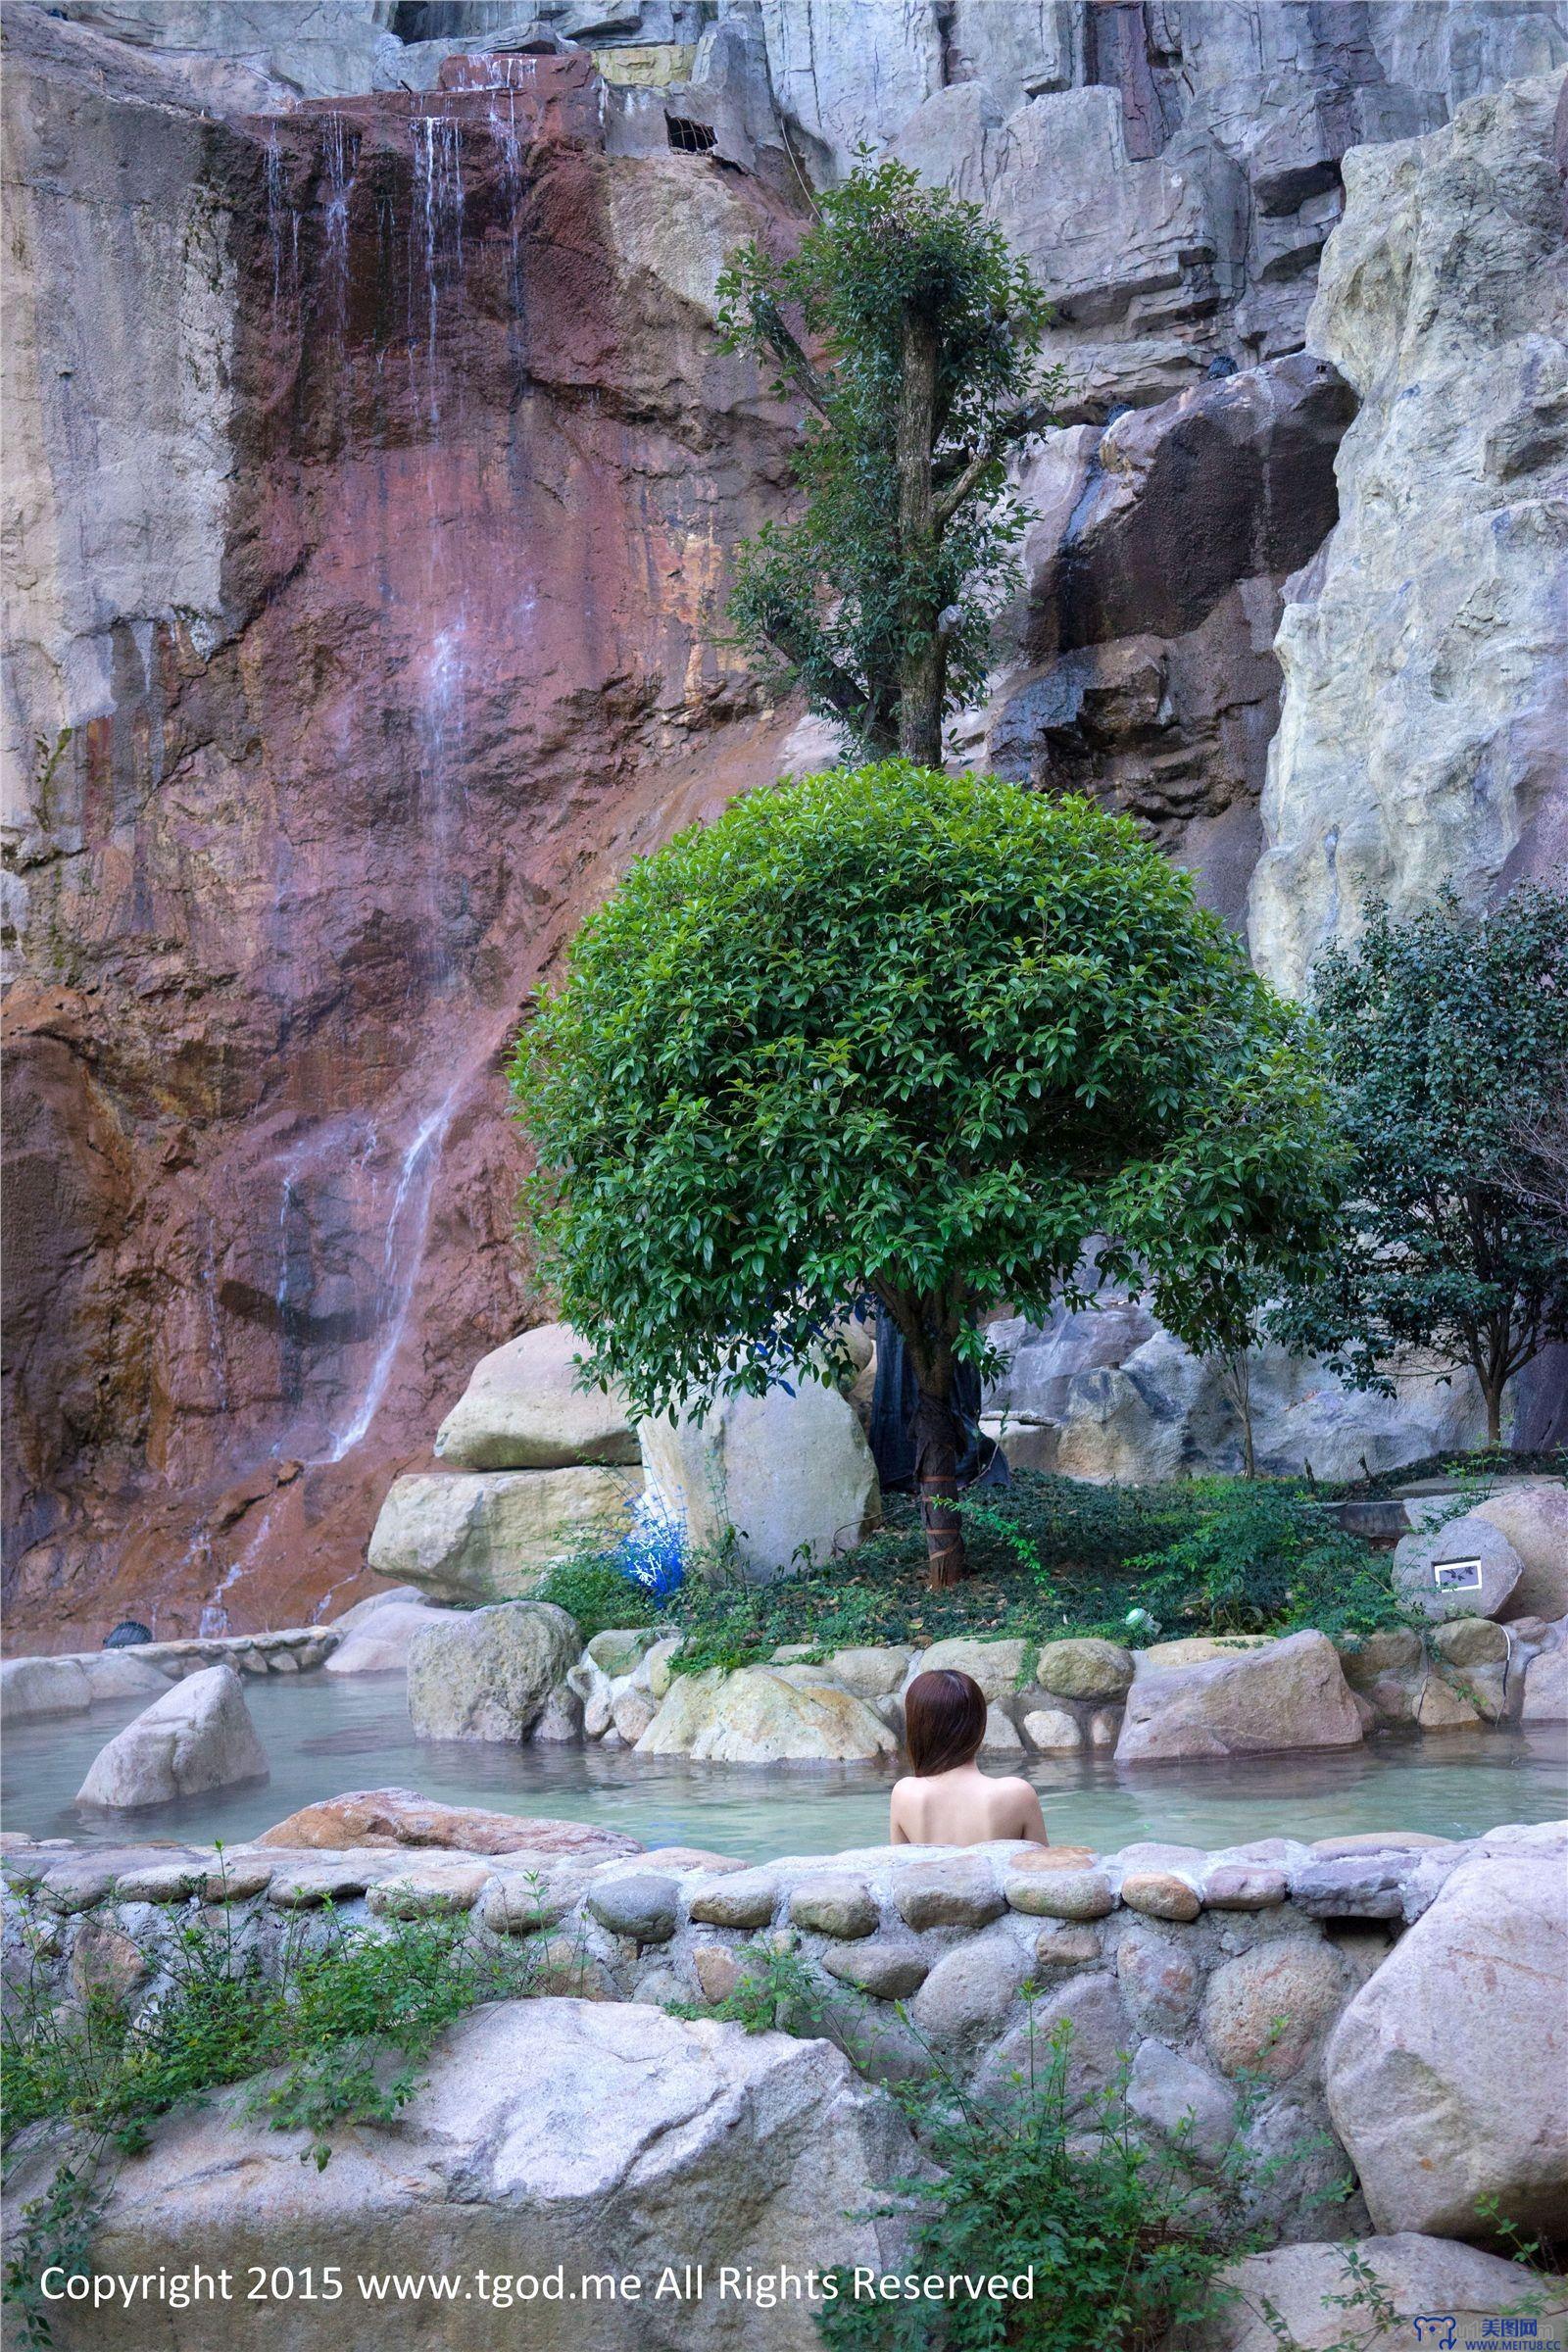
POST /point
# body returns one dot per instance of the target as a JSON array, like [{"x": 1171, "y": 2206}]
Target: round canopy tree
[{"x": 893, "y": 1031}]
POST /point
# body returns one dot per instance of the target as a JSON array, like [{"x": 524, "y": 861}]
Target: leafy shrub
[
  {"x": 1261, "y": 1558},
  {"x": 1124, "y": 2239},
  {"x": 592, "y": 1588}
]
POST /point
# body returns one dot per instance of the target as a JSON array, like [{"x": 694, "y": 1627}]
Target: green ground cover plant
[{"x": 1048, "y": 1557}]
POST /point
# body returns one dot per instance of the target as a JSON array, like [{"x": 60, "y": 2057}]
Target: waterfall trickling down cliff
[{"x": 475, "y": 458}]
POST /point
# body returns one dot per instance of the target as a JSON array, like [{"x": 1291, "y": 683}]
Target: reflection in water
[{"x": 326, "y": 1733}]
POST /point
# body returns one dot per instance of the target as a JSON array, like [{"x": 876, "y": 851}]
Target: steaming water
[{"x": 326, "y": 1733}]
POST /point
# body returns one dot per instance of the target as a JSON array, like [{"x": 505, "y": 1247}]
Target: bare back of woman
[{"x": 948, "y": 1800}]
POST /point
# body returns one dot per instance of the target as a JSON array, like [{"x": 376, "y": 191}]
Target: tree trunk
[
  {"x": 936, "y": 1454},
  {"x": 929, "y": 1325},
  {"x": 924, "y": 661},
  {"x": 1492, "y": 1390}
]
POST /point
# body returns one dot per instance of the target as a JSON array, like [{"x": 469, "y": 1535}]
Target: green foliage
[
  {"x": 775, "y": 1992},
  {"x": 591, "y": 1588},
  {"x": 331, "y": 2031},
  {"x": 1264, "y": 1558},
  {"x": 1447, "y": 1036},
  {"x": 1053, "y": 1557},
  {"x": 906, "y": 290},
  {"x": 900, "y": 1030},
  {"x": 1124, "y": 2237}
]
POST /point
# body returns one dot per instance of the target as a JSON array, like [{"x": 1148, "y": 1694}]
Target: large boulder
[
  {"x": 1292, "y": 1693},
  {"x": 525, "y": 1410},
  {"x": 489, "y": 1535},
  {"x": 379, "y": 1642},
  {"x": 1109, "y": 1396},
  {"x": 1312, "y": 2297},
  {"x": 1464, "y": 1568},
  {"x": 1535, "y": 1519},
  {"x": 547, "y": 2136},
  {"x": 486, "y": 1674},
  {"x": 198, "y": 1736},
  {"x": 1545, "y": 1698},
  {"x": 764, "y": 1715},
  {"x": 789, "y": 1472},
  {"x": 1445, "y": 2077},
  {"x": 363, "y": 1817},
  {"x": 31, "y": 1688}
]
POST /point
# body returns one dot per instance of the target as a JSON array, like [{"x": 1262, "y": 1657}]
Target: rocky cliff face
[
  {"x": 378, "y": 471},
  {"x": 373, "y": 472},
  {"x": 1425, "y": 648}
]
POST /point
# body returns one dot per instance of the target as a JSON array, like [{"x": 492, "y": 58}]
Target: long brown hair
[{"x": 944, "y": 1721}]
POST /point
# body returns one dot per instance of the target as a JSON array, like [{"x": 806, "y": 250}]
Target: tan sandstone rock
[
  {"x": 1288, "y": 1694},
  {"x": 525, "y": 1408}
]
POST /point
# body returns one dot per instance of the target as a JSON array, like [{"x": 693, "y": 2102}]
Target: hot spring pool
[{"x": 326, "y": 1733}]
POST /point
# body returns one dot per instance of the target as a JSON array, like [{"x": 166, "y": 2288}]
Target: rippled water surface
[{"x": 326, "y": 1734}]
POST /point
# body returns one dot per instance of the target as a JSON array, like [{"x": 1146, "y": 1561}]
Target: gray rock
[
  {"x": 641, "y": 1905},
  {"x": 1100, "y": 2039},
  {"x": 1059, "y": 1945},
  {"x": 1244, "y": 1887},
  {"x": 621, "y": 1649},
  {"x": 833, "y": 1904},
  {"x": 345, "y": 1622},
  {"x": 1309, "y": 2291},
  {"x": 1471, "y": 1548},
  {"x": 747, "y": 1899},
  {"x": 1265, "y": 2011},
  {"x": 790, "y": 1474},
  {"x": 965, "y": 1999},
  {"x": 888, "y": 1972},
  {"x": 961, "y": 1892},
  {"x": 488, "y": 1536},
  {"x": 1290, "y": 1694},
  {"x": 33, "y": 1689},
  {"x": 1052, "y": 1731},
  {"x": 487, "y": 1674},
  {"x": 1470, "y": 1642},
  {"x": 525, "y": 1410},
  {"x": 1442, "y": 303},
  {"x": 1354, "y": 1886},
  {"x": 1178, "y": 2096},
  {"x": 764, "y": 1715},
  {"x": 1545, "y": 1698},
  {"x": 560, "y": 1721},
  {"x": 1060, "y": 1893},
  {"x": 197, "y": 1736},
  {"x": 1085, "y": 1669},
  {"x": 1160, "y": 1980},
  {"x": 872, "y": 1673},
  {"x": 995, "y": 1665},
  {"x": 379, "y": 1642},
  {"x": 1533, "y": 1518},
  {"x": 542, "y": 2133},
  {"x": 1444, "y": 2074}
]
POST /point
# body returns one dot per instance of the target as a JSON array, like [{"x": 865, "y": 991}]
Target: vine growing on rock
[
  {"x": 878, "y": 600},
  {"x": 924, "y": 1036}
]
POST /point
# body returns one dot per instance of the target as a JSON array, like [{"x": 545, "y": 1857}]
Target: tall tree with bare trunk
[{"x": 911, "y": 335}]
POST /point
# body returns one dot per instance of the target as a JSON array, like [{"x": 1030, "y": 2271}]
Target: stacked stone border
[{"x": 1204, "y": 1970}]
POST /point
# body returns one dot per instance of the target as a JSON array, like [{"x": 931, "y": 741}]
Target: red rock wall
[{"x": 304, "y": 862}]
